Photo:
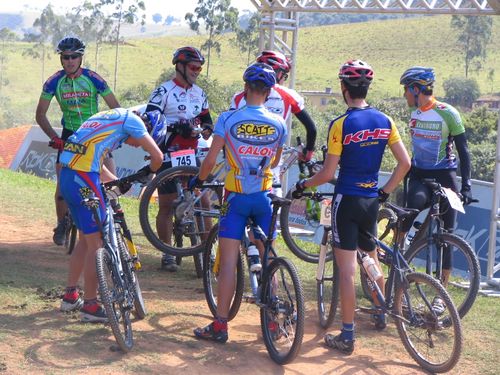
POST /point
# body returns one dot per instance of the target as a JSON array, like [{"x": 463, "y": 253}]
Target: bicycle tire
[
  {"x": 282, "y": 311},
  {"x": 111, "y": 297},
  {"x": 70, "y": 235},
  {"x": 210, "y": 277},
  {"x": 189, "y": 227},
  {"x": 198, "y": 265},
  {"x": 421, "y": 329},
  {"x": 294, "y": 217},
  {"x": 140, "y": 310},
  {"x": 465, "y": 255},
  {"x": 327, "y": 291}
]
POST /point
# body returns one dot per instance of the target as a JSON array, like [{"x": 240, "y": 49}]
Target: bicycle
[
  {"x": 425, "y": 250},
  {"x": 410, "y": 299},
  {"x": 70, "y": 233},
  {"x": 116, "y": 265},
  {"x": 276, "y": 290}
]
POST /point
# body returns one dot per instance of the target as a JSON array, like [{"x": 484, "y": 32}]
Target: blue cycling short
[
  {"x": 75, "y": 187},
  {"x": 236, "y": 210}
]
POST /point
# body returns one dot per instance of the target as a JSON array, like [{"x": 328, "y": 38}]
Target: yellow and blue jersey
[
  {"x": 102, "y": 133},
  {"x": 359, "y": 137},
  {"x": 252, "y": 136}
]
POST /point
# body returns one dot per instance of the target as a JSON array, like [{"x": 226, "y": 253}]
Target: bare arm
[
  {"x": 211, "y": 158},
  {"x": 326, "y": 173},
  {"x": 111, "y": 101},
  {"x": 41, "y": 118},
  {"x": 106, "y": 174},
  {"x": 403, "y": 166}
]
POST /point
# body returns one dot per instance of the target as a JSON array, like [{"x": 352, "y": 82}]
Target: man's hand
[
  {"x": 306, "y": 155},
  {"x": 207, "y": 132},
  {"x": 194, "y": 182},
  {"x": 466, "y": 195},
  {"x": 56, "y": 143},
  {"x": 299, "y": 189},
  {"x": 184, "y": 128},
  {"x": 146, "y": 170},
  {"x": 382, "y": 196}
]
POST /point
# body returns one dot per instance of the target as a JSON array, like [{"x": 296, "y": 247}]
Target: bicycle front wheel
[
  {"x": 301, "y": 229},
  {"x": 189, "y": 216},
  {"x": 464, "y": 278},
  {"x": 428, "y": 322},
  {"x": 71, "y": 233},
  {"x": 327, "y": 287},
  {"x": 113, "y": 297},
  {"x": 282, "y": 311},
  {"x": 211, "y": 264}
]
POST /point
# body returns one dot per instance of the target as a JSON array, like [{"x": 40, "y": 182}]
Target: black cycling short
[
  {"x": 419, "y": 195},
  {"x": 354, "y": 218}
]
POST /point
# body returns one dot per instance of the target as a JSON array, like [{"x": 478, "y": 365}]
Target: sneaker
[
  {"x": 336, "y": 342},
  {"x": 438, "y": 306},
  {"x": 379, "y": 321},
  {"x": 168, "y": 264},
  {"x": 71, "y": 302},
  {"x": 209, "y": 333},
  {"x": 94, "y": 313},
  {"x": 59, "y": 233}
]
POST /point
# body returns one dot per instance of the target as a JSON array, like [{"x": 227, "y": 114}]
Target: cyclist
[
  {"x": 283, "y": 101},
  {"x": 356, "y": 143},
  {"x": 81, "y": 176},
  {"x": 253, "y": 139},
  {"x": 185, "y": 106},
  {"x": 76, "y": 89},
  {"x": 434, "y": 127}
]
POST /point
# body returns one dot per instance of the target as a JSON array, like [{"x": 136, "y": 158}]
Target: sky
[{"x": 163, "y": 7}]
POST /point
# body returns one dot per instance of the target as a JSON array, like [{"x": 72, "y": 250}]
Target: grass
[
  {"x": 26, "y": 272},
  {"x": 389, "y": 46}
]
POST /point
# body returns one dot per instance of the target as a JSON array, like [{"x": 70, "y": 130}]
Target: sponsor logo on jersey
[
  {"x": 90, "y": 124},
  {"x": 367, "y": 185},
  {"x": 182, "y": 107},
  {"x": 78, "y": 94},
  {"x": 255, "y": 151},
  {"x": 256, "y": 134},
  {"x": 75, "y": 148},
  {"x": 429, "y": 125},
  {"x": 365, "y": 135}
]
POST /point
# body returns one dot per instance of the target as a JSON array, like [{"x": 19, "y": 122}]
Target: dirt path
[{"x": 36, "y": 338}]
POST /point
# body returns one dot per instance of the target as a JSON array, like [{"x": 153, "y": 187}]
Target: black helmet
[
  {"x": 187, "y": 54},
  {"x": 71, "y": 44}
]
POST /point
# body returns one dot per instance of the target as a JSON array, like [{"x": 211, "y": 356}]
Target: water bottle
[
  {"x": 371, "y": 268},
  {"x": 253, "y": 258}
]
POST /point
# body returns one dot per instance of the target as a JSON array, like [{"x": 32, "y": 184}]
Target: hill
[{"x": 389, "y": 46}]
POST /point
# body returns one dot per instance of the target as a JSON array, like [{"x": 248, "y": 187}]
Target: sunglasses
[
  {"x": 194, "y": 68},
  {"x": 71, "y": 57}
]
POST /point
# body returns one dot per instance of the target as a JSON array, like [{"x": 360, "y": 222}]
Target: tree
[
  {"x": 461, "y": 91},
  {"x": 124, "y": 11},
  {"x": 217, "y": 16},
  {"x": 6, "y": 35},
  {"x": 48, "y": 25},
  {"x": 247, "y": 40},
  {"x": 474, "y": 33},
  {"x": 157, "y": 17}
]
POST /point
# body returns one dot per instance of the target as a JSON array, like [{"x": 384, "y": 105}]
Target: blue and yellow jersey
[
  {"x": 432, "y": 130},
  {"x": 359, "y": 137},
  {"x": 252, "y": 135},
  {"x": 100, "y": 134},
  {"x": 77, "y": 97}
]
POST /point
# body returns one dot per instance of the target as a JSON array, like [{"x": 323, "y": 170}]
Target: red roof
[{"x": 10, "y": 141}]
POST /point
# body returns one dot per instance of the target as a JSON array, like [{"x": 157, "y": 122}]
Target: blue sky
[{"x": 164, "y": 7}]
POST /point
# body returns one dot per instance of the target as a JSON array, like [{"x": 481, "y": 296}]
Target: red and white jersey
[{"x": 281, "y": 101}]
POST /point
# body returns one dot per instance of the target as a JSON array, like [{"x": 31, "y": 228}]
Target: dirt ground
[{"x": 36, "y": 338}]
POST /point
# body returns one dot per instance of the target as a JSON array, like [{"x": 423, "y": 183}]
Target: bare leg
[
  {"x": 346, "y": 260},
  {"x": 226, "y": 282}
]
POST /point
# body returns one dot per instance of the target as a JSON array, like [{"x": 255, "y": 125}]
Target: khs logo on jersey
[{"x": 364, "y": 135}]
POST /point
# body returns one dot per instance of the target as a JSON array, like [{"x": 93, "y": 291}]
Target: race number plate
[
  {"x": 454, "y": 200},
  {"x": 326, "y": 212},
  {"x": 183, "y": 157}
]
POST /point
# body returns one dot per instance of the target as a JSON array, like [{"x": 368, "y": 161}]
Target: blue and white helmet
[
  {"x": 260, "y": 72},
  {"x": 418, "y": 75},
  {"x": 156, "y": 125}
]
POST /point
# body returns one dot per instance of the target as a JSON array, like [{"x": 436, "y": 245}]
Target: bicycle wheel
[
  {"x": 282, "y": 311},
  {"x": 463, "y": 284},
  {"x": 327, "y": 289},
  {"x": 431, "y": 335},
  {"x": 140, "y": 310},
  {"x": 190, "y": 217},
  {"x": 210, "y": 276},
  {"x": 300, "y": 227},
  {"x": 71, "y": 233},
  {"x": 113, "y": 297}
]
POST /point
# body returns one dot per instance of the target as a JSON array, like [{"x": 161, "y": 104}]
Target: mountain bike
[
  {"x": 427, "y": 249},
  {"x": 70, "y": 234},
  {"x": 276, "y": 289},
  {"x": 431, "y": 333},
  {"x": 116, "y": 264}
]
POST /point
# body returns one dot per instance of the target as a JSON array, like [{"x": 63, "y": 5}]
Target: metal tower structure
[{"x": 279, "y": 31}]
